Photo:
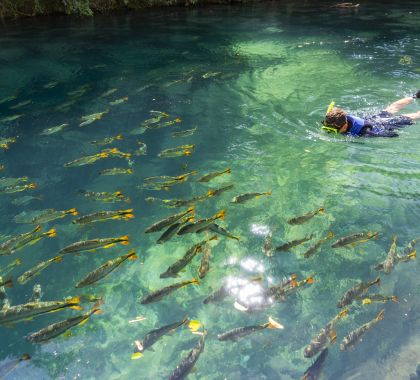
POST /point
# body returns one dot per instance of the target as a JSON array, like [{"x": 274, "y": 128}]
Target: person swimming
[{"x": 382, "y": 124}]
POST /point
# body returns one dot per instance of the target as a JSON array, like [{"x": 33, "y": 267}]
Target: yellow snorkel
[{"x": 325, "y": 127}]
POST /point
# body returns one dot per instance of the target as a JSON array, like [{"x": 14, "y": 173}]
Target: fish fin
[
  {"x": 68, "y": 334},
  {"x": 321, "y": 211},
  {"x": 210, "y": 193},
  {"x": 76, "y": 307},
  {"x": 72, "y": 211},
  {"x": 310, "y": 280},
  {"x": 107, "y": 246},
  {"x": 37, "y": 228},
  {"x": 395, "y": 299},
  {"x": 272, "y": 324},
  {"x": 136, "y": 355},
  {"x": 58, "y": 259},
  {"x": 83, "y": 322},
  {"x": 194, "y": 325},
  {"x": 25, "y": 357},
  {"x": 333, "y": 336},
  {"x": 413, "y": 255},
  {"x": 132, "y": 256},
  {"x": 119, "y": 137},
  {"x": 293, "y": 283},
  {"x": 74, "y": 300},
  {"x": 239, "y": 306},
  {"x": 8, "y": 283},
  {"x": 128, "y": 216},
  {"x": 220, "y": 215},
  {"x": 380, "y": 316},
  {"x": 227, "y": 170},
  {"x": 195, "y": 281},
  {"x": 330, "y": 235}
]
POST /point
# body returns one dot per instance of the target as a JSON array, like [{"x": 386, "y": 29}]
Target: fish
[
  {"x": 153, "y": 336},
  {"x": 141, "y": 150},
  {"x": 59, "y": 328},
  {"x": 215, "y": 192},
  {"x": 118, "y": 101},
  {"x": 204, "y": 267},
  {"x": 411, "y": 246},
  {"x": 248, "y": 196},
  {"x": 5, "y": 271},
  {"x": 354, "y": 337},
  {"x": 405, "y": 258},
  {"x": 107, "y": 93},
  {"x": 21, "y": 104},
  {"x": 89, "y": 245},
  {"x": 10, "y": 118},
  {"x": 114, "y": 152},
  {"x": 356, "y": 291},
  {"x": 288, "y": 286},
  {"x": 51, "y": 214},
  {"x": 292, "y": 243},
  {"x": 311, "y": 250},
  {"x": 388, "y": 264},
  {"x": 326, "y": 336},
  {"x": 6, "y": 282},
  {"x": 116, "y": 171},
  {"x": 8, "y": 99},
  {"x": 217, "y": 296},
  {"x": 177, "y": 202},
  {"x": 184, "y": 133},
  {"x": 267, "y": 247},
  {"x": 173, "y": 229},
  {"x": 210, "y": 176},
  {"x": 185, "y": 367},
  {"x": 20, "y": 241},
  {"x": 180, "y": 264},
  {"x": 158, "y": 116},
  {"x": 18, "y": 188},
  {"x": 214, "y": 227},
  {"x": 105, "y": 269},
  {"x": 31, "y": 309},
  {"x": 105, "y": 197},
  {"x": 167, "y": 178},
  {"x": 5, "y": 142},
  {"x": 201, "y": 223},
  {"x": 182, "y": 150},
  {"x": 11, "y": 365},
  {"x": 168, "y": 221},
  {"x": 52, "y": 130},
  {"x": 6, "y": 182},
  {"x": 104, "y": 215},
  {"x": 89, "y": 119},
  {"x": 161, "y": 293},
  {"x": 211, "y": 74},
  {"x": 240, "y": 332},
  {"x": 353, "y": 239},
  {"x": 314, "y": 372},
  {"x": 79, "y": 92},
  {"x": 107, "y": 140},
  {"x": 37, "y": 269},
  {"x": 87, "y": 160},
  {"x": 367, "y": 299},
  {"x": 50, "y": 85},
  {"x": 306, "y": 217}
]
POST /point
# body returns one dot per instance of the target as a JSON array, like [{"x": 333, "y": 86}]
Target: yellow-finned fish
[
  {"x": 168, "y": 221},
  {"x": 159, "y": 294},
  {"x": 119, "y": 101},
  {"x": 388, "y": 264},
  {"x": 173, "y": 229},
  {"x": 360, "y": 237},
  {"x": 5, "y": 142},
  {"x": 354, "y": 337},
  {"x": 240, "y": 332},
  {"x": 52, "y": 130},
  {"x": 356, "y": 291},
  {"x": 248, "y": 196},
  {"x": 17, "y": 188},
  {"x": 89, "y": 119},
  {"x": 184, "y": 133},
  {"x": 105, "y": 269},
  {"x": 51, "y": 214},
  {"x": 210, "y": 176},
  {"x": 87, "y": 160},
  {"x": 116, "y": 171},
  {"x": 107, "y": 140},
  {"x": 105, "y": 196},
  {"x": 215, "y": 192},
  {"x": 367, "y": 299},
  {"x": 29, "y": 310},
  {"x": 158, "y": 116},
  {"x": 90, "y": 245},
  {"x": 182, "y": 150},
  {"x": 104, "y": 215},
  {"x": 58, "y": 328},
  {"x": 311, "y": 250},
  {"x": 163, "y": 125},
  {"x": 293, "y": 243},
  {"x": 304, "y": 218},
  {"x": 201, "y": 224},
  {"x": 37, "y": 269}
]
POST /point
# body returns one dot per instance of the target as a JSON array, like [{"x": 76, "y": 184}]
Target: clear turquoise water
[{"x": 278, "y": 68}]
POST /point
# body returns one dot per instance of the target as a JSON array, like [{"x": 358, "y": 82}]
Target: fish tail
[
  {"x": 119, "y": 137},
  {"x": 268, "y": 192},
  {"x": 52, "y": 232},
  {"x": 195, "y": 281},
  {"x": 37, "y": 228},
  {"x": 343, "y": 313},
  {"x": 321, "y": 210},
  {"x": 412, "y": 255},
  {"x": 8, "y": 283},
  {"x": 72, "y": 211},
  {"x": 227, "y": 170},
  {"x": 18, "y": 262},
  {"x": 136, "y": 355},
  {"x": 32, "y": 185},
  {"x": 310, "y": 280},
  {"x": 220, "y": 215},
  {"x": 376, "y": 281},
  {"x": 210, "y": 193},
  {"x": 395, "y": 299},
  {"x": 330, "y": 235},
  {"x": 58, "y": 259},
  {"x": 272, "y": 324},
  {"x": 132, "y": 255},
  {"x": 124, "y": 240},
  {"x": 380, "y": 316}
]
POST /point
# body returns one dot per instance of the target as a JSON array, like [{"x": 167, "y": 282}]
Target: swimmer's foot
[{"x": 417, "y": 94}]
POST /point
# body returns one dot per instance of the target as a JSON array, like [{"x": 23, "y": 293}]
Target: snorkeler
[{"x": 383, "y": 124}]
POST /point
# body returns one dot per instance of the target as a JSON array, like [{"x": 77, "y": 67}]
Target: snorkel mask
[{"x": 325, "y": 126}]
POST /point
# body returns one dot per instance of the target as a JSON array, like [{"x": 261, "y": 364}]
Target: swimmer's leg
[
  {"x": 399, "y": 104},
  {"x": 414, "y": 116}
]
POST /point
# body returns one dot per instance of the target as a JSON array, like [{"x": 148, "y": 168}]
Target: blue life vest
[{"x": 357, "y": 123}]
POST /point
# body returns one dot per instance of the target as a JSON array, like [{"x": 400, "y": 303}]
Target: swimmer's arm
[
  {"x": 414, "y": 116},
  {"x": 396, "y": 106}
]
